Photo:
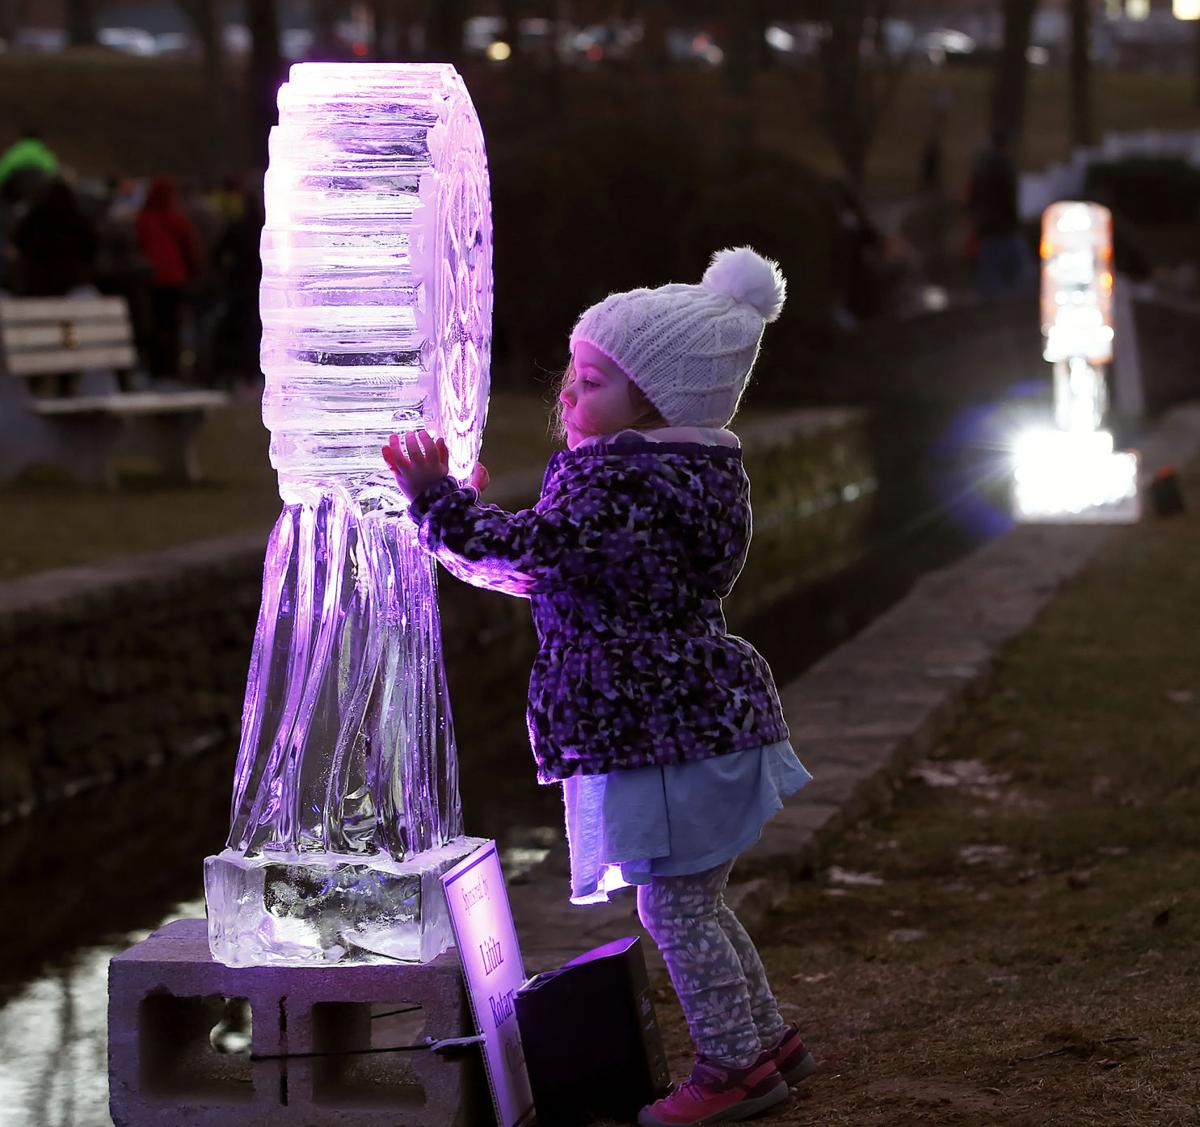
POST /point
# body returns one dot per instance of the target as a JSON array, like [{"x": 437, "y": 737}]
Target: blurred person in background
[
  {"x": 25, "y": 167},
  {"x": 120, "y": 267},
  {"x": 1003, "y": 262},
  {"x": 859, "y": 265},
  {"x": 236, "y": 329},
  {"x": 229, "y": 199},
  {"x": 168, "y": 240},
  {"x": 56, "y": 244},
  {"x": 200, "y": 203}
]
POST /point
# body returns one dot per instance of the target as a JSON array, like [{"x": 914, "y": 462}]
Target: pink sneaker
[
  {"x": 790, "y": 1057},
  {"x": 715, "y": 1093}
]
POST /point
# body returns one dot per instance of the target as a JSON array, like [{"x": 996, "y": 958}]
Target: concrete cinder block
[{"x": 314, "y": 1057}]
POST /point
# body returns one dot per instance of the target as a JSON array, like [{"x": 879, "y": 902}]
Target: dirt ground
[{"x": 1015, "y": 941}]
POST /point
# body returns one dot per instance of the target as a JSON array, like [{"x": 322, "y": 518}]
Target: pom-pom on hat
[{"x": 691, "y": 348}]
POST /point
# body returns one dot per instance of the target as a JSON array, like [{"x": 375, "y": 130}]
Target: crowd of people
[{"x": 184, "y": 256}]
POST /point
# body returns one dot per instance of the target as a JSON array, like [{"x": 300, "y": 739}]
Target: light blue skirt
[{"x": 629, "y": 826}]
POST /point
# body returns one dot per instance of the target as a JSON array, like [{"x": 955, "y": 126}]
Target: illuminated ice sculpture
[
  {"x": 1077, "y": 310},
  {"x": 376, "y": 307},
  {"x": 1070, "y": 471}
]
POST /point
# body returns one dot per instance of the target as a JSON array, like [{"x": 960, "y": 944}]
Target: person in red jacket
[{"x": 169, "y": 242}]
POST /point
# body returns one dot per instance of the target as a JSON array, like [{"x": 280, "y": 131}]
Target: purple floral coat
[{"x": 625, "y": 559}]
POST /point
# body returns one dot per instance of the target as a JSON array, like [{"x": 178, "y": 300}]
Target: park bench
[{"x": 63, "y": 366}]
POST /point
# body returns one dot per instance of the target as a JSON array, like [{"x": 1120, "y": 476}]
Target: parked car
[
  {"x": 175, "y": 43},
  {"x": 599, "y": 42},
  {"x": 693, "y": 47},
  {"x": 39, "y": 39},
  {"x": 128, "y": 40},
  {"x": 899, "y": 37},
  {"x": 945, "y": 45},
  {"x": 482, "y": 33},
  {"x": 795, "y": 42}
]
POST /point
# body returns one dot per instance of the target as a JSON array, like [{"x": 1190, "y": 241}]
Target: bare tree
[
  {"x": 655, "y": 22},
  {"x": 510, "y": 12},
  {"x": 266, "y": 72},
  {"x": 444, "y": 30},
  {"x": 856, "y": 85},
  {"x": 81, "y": 23},
  {"x": 1196, "y": 61},
  {"x": 1008, "y": 90},
  {"x": 392, "y": 39},
  {"x": 323, "y": 20},
  {"x": 12, "y": 15},
  {"x": 745, "y": 25},
  {"x": 206, "y": 18},
  {"x": 1081, "y": 73}
]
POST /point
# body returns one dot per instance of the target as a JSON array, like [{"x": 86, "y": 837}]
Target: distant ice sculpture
[{"x": 376, "y": 307}]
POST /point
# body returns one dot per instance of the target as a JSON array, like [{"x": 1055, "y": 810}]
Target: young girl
[{"x": 665, "y": 731}]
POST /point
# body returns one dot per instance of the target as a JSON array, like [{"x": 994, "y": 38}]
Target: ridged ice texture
[
  {"x": 377, "y": 281},
  {"x": 376, "y": 307}
]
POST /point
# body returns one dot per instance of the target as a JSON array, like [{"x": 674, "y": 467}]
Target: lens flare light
[{"x": 1073, "y": 476}]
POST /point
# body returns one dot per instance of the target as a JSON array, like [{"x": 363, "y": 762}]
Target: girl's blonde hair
[{"x": 648, "y": 417}]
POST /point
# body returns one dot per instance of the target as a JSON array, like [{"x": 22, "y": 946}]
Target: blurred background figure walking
[
  {"x": 168, "y": 240},
  {"x": 235, "y": 329},
  {"x": 1004, "y": 264}
]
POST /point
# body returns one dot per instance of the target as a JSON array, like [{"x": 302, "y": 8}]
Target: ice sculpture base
[{"x": 323, "y": 909}]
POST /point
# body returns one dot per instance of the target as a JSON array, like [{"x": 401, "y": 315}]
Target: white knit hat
[{"x": 691, "y": 348}]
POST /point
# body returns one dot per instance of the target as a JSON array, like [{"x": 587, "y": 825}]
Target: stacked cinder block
[{"x": 315, "y": 1041}]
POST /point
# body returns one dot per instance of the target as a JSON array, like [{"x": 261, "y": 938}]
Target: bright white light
[
  {"x": 1060, "y": 475},
  {"x": 956, "y": 42},
  {"x": 1075, "y": 217},
  {"x": 1080, "y": 331},
  {"x": 934, "y": 298},
  {"x": 1046, "y": 448},
  {"x": 1080, "y": 395},
  {"x": 780, "y": 39},
  {"x": 499, "y": 51},
  {"x": 1186, "y": 9}
]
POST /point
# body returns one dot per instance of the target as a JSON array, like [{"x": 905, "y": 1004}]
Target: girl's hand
[
  {"x": 417, "y": 460},
  {"x": 480, "y": 478}
]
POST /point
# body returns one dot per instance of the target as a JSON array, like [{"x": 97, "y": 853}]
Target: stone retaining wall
[{"x": 109, "y": 669}]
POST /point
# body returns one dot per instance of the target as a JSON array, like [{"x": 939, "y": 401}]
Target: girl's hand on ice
[
  {"x": 480, "y": 478},
  {"x": 417, "y": 460}
]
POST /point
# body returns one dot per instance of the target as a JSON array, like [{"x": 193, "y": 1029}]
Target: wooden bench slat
[
  {"x": 52, "y": 336},
  {"x": 23, "y": 310},
  {"x": 49, "y": 337},
  {"x": 70, "y": 360},
  {"x": 133, "y": 403}
]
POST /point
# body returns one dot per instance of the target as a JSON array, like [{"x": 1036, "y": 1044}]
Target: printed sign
[{"x": 491, "y": 962}]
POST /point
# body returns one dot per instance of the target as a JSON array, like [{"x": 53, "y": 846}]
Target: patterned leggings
[{"x": 730, "y": 1010}]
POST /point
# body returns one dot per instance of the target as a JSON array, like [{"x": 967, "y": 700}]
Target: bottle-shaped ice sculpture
[{"x": 376, "y": 308}]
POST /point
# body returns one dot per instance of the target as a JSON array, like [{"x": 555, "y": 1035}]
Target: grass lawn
[
  {"x": 50, "y": 524},
  {"x": 1018, "y": 941}
]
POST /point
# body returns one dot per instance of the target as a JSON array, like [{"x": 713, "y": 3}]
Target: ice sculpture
[{"x": 376, "y": 307}]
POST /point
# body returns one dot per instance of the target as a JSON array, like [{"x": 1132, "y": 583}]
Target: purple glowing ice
[{"x": 376, "y": 306}]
